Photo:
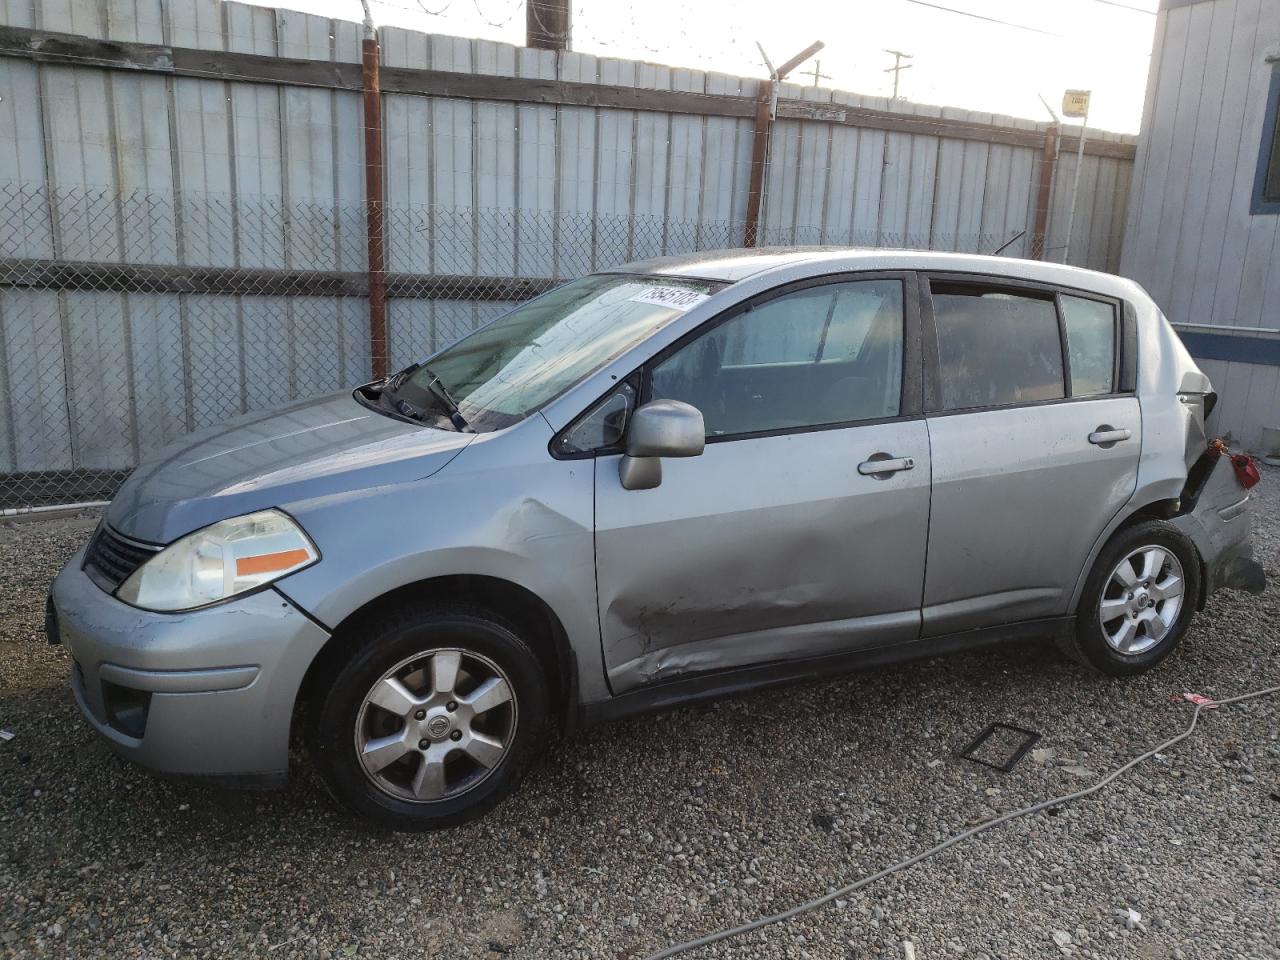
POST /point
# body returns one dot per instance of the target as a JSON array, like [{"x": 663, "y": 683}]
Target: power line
[
  {"x": 978, "y": 16},
  {"x": 1126, "y": 6}
]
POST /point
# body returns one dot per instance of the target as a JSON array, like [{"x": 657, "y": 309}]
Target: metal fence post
[
  {"x": 1048, "y": 160},
  {"x": 761, "y": 128},
  {"x": 377, "y": 267}
]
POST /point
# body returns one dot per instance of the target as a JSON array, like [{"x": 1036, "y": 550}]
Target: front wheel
[
  {"x": 431, "y": 718},
  {"x": 1138, "y": 601}
]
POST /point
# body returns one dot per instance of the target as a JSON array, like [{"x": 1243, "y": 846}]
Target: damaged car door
[{"x": 800, "y": 530}]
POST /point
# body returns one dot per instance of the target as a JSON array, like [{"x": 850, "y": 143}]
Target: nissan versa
[{"x": 670, "y": 481}]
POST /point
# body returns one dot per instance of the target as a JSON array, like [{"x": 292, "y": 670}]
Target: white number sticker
[{"x": 677, "y": 298}]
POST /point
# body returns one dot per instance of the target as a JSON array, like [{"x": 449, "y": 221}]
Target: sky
[{"x": 962, "y": 57}]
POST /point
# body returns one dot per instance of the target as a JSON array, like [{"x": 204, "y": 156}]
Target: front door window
[{"x": 823, "y": 355}]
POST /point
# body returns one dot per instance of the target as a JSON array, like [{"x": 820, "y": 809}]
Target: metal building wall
[
  {"x": 1191, "y": 240},
  {"x": 107, "y": 166}
]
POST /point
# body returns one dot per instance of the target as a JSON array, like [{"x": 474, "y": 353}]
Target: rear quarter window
[{"x": 1091, "y": 345}]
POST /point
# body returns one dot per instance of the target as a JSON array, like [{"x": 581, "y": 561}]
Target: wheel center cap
[
  {"x": 1140, "y": 599},
  {"x": 438, "y": 727}
]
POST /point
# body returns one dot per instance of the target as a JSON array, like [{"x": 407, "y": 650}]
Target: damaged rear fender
[{"x": 1216, "y": 516}]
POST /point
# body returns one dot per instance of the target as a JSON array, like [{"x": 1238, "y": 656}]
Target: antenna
[{"x": 1008, "y": 243}]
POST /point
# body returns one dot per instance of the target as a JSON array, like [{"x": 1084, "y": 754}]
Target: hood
[{"x": 310, "y": 449}]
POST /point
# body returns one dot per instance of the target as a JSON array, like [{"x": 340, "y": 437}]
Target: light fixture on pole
[{"x": 1075, "y": 103}]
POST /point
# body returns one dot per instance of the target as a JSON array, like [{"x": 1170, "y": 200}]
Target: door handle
[
  {"x": 880, "y": 465},
  {"x": 1106, "y": 435}
]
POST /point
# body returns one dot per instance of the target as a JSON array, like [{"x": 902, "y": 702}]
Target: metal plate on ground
[{"x": 1000, "y": 746}]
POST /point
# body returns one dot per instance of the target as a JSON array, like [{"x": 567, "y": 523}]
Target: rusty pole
[
  {"x": 548, "y": 24},
  {"x": 759, "y": 157},
  {"x": 1048, "y": 160},
  {"x": 371, "y": 84},
  {"x": 766, "y": 110}
]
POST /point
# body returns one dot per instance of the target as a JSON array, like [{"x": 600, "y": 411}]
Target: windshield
[{"x": 508, "y": 369}]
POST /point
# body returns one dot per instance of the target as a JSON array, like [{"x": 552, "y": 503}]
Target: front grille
[{"x": 111, "y": 559}]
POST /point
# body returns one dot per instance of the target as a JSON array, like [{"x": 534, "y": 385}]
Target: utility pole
[
  {"x": 548, "y": 24},
  {"x": 897, "y": 68},
  {"x": 816, "y": 72}
]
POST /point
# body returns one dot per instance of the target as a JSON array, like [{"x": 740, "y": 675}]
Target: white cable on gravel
[{"x": 817, "y": 902}]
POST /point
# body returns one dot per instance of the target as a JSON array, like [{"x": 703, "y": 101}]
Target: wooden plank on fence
[
  {"x": 257, "y": 68},
  {"x": 567, "y": 93},
  {"x": 69, "y": 48}
]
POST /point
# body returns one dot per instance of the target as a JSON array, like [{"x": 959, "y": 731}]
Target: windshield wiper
[
  {"x": 391, "y": 385},
  {"x": 439, "y": 391},
  {"x": 394, "y": 382}
]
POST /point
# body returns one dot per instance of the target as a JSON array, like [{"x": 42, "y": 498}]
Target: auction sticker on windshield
[{"x": 678, "y": 298}]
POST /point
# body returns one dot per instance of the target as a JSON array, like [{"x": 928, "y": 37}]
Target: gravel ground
[{"x": 649, "y": 831}]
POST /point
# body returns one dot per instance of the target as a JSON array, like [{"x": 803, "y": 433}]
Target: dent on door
[{"x": 765, "y": 550}]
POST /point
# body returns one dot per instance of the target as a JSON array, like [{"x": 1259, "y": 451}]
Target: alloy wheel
[
  {"x": 1141, "y": 601},
  {"x": 435, "y": 725}
]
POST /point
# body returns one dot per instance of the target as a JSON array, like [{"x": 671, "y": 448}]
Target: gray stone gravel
[{"x": 632, "y": 836}]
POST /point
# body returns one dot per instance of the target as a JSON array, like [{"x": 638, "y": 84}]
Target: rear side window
[
  {"x": 996, "y": 348},
  {"x": 1091, "y": 345}
]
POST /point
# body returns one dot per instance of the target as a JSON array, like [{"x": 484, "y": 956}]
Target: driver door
[{"x": 782, "y": 541}]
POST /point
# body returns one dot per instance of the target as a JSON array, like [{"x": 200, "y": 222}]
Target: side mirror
[{"x": 661, "y": 428}]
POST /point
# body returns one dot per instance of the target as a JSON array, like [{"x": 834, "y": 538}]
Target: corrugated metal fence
[{"x": 183, "y": 225}]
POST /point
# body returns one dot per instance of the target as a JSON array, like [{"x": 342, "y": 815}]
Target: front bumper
[{"x": 207, "y": 693}]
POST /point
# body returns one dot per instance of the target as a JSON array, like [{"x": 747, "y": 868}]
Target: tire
[
  {"x": 1142, "y": 623},
  {"x": 414, "y": 757}
]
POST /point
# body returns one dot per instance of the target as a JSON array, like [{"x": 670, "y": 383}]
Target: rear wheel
[
  {"x": 1138, "y": 601},
  {"x": 430, "y": 719}
]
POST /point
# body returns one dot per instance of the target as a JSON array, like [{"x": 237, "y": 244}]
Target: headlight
[{"x": 220, "y": 561}]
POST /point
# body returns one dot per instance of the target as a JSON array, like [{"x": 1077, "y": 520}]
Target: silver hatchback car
[{"x": 670, "y": 481}]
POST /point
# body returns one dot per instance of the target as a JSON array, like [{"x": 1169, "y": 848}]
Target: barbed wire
[
  {"x": 516, "y": 6},
  {"x": 431, "y": 13}
]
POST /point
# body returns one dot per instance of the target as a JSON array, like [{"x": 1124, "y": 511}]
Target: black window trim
[
  {"x": 1123, "y": 366},
  {"x": 1268, "y": 147},
  {"x": 911, "y": 404},
  {"x": 632, "y": 378}
]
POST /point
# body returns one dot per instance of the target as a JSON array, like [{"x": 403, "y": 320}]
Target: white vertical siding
[{"x": 1191, "y": 239}]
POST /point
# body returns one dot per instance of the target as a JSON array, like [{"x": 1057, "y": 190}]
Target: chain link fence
[{"x": 128, "y": 320}]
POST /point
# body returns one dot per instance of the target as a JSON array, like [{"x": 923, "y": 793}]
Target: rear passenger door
[{"x": 1035, "y": 435}]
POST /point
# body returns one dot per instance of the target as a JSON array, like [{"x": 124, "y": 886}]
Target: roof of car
[{"x": 733, "y": 265}]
